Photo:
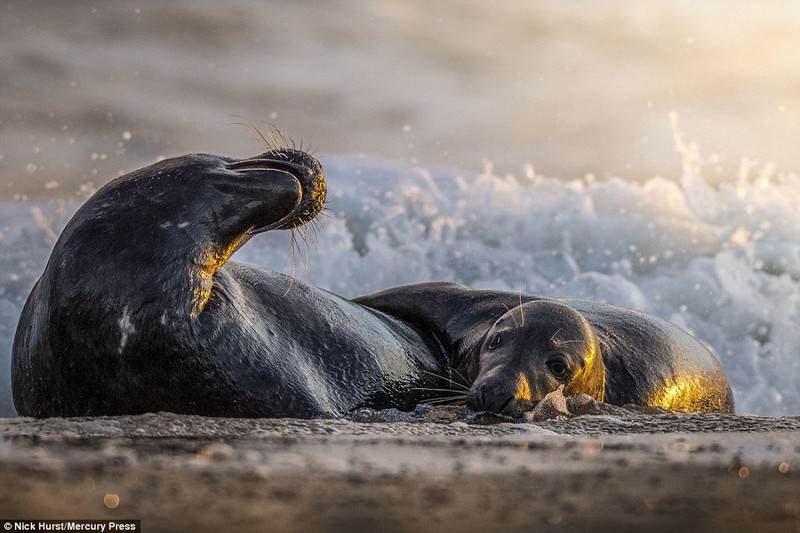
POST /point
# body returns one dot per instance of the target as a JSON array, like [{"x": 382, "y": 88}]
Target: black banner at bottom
[{"x": 102, "y": 526}]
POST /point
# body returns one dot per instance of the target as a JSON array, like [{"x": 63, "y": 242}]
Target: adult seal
[{"x": 139, "y": 310}]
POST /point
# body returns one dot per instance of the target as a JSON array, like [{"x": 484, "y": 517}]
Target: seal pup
[
  {"x": 511, "y": 350},
  {"x": 615, "y": 355}
]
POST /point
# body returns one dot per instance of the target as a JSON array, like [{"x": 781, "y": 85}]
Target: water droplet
[{"x": 111, "y": 501}]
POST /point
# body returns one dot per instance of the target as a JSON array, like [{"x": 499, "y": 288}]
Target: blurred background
[
  {"x": 91, "y": 89},
  {"x": 507, "y": 145}
]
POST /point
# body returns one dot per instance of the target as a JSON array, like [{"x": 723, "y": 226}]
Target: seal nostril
[
  {"x": 478, "y": 397},
  {"x": 489, "y": 397}
]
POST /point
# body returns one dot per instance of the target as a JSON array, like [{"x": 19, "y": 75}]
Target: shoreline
[{"x": 190, "y": 473}]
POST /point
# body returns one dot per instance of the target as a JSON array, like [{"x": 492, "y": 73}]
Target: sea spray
[{"x": 720, "y": 259}]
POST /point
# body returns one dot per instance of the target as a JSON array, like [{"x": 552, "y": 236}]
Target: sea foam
[{"x": 721, "y": 259}]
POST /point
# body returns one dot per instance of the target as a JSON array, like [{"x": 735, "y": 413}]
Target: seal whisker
[
  {"x": 457, "y": 401},
  {"x": 273, "y": 134},
  {"x": 249, "y": 124},
  {"x": 512, "y": 315},
  {"x": 439, "y": 401},
  {"x": 294, "y": 247},
  {"x": 434, "y": 389},
  {"x": 282, "y": 140},
  {"x": 553, "y": 337},
  {"x": 316, "y": 223},
  {"x": 302, "y": 232},
  {"x": 450, "y": 381},
  {"x": 466, "y": 382},
  {"x": 304, "y": 258},
  {"x": 323, "y": 214},
  {"x": 315, "y": 227},
  {"x": 449, "y": 397},
  {"x": 312, "y": 234}
]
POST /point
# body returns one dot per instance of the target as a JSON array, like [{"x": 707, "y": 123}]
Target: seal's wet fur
[{"x": 139, "y": 309}]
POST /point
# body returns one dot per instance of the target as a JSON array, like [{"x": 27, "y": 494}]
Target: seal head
[{"x": 531, "y": 351}]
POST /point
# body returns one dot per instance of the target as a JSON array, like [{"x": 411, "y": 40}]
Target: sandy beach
[
  {"x": 639, "y": 155},
  {"x": 589, "y": 473}
]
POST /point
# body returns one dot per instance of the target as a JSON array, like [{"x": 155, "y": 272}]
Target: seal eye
[
  {"x": 495, "y": 341},
  {"x": 558, "y": 368}
]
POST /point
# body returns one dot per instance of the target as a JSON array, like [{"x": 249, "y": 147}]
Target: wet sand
[{"x": 589, "y": 473}]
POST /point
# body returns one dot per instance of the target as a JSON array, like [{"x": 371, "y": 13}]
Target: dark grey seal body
[
  {"x": 512, "y": 349},
  {"x": 139, "y": 310}
]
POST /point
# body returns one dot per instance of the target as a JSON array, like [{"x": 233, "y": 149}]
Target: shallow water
[{"x": 581, "y": 94}]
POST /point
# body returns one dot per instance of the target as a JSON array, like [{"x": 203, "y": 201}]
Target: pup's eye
[
  {"x": 558, "y": 368},
  {"x": 495, "y": 341}
]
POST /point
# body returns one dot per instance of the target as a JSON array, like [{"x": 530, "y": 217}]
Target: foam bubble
[{"x": 722, "y": 261}]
